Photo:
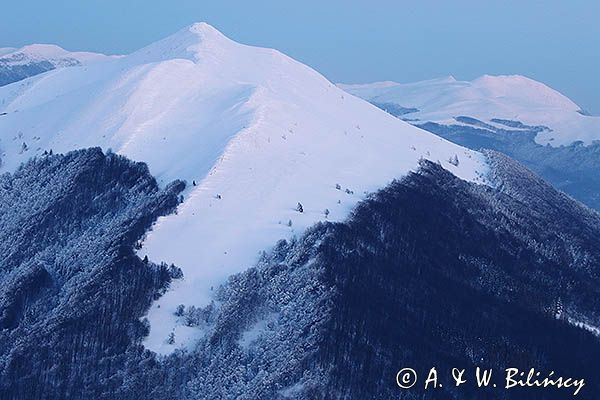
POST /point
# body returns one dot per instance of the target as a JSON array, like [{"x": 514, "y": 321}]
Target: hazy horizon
[{"x": 351, "y": 42}]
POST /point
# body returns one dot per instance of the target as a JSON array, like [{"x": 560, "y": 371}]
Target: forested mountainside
[
  {"x": 429, "y": 271},
  {"x": 571, "y": 168},
  {"x": 72, "y": 291},
  {"x": 14, "y": 73}
]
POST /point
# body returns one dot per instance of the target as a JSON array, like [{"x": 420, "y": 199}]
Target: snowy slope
[
  {"x": 515, "y": 98},
  {"x": 255, "y": 130},
  {"x": 6, "y": 50}
]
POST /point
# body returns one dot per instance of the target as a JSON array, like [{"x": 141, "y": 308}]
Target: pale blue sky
[{"x": 555, "y": 41}]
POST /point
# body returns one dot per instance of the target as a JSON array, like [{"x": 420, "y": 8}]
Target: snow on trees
[
  {"x": 171, "y": 338},
  {"x": 454, "y": 160},
  {"x": 179, "y": 310}
]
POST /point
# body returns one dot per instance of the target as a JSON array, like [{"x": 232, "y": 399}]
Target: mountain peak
[
  {"x": 191, "y": 42},
  {"x": 43, "y": 50},
  {"x": 35, "y": 52},
  {"x": 204, "y": 28},
  {"x": 522, "y": 87},
  {"x": 203, "y": 32}
]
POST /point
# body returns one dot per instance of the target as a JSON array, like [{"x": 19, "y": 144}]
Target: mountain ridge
[{"x": 489, "y": 97}]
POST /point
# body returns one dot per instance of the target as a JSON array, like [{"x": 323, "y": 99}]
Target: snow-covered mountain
[
  {"x": 410, "y": 275},
  {"x": 267, "y": 145},
  {"x": 18, "y": 64},
  {"x": 489, "y": 98},
  {"x": 522, "y": 118},
  {"x": 58, "y": 56}
]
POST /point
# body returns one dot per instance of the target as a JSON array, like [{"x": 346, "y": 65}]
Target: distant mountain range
[
  {"x": 513, "y": 114},
  {"x": 18, "y": 64}
]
